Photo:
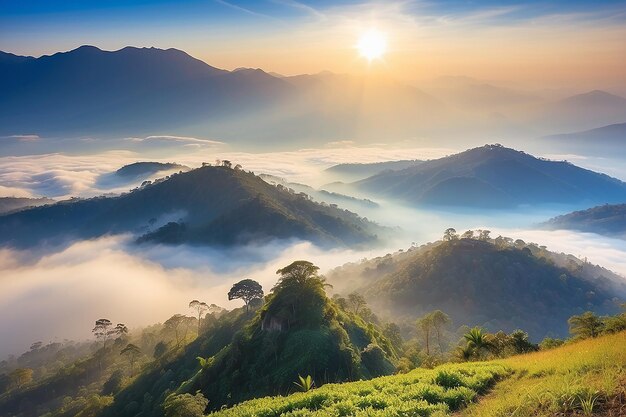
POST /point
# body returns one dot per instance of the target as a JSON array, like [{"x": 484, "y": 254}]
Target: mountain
[
  {"x": 606, "y": 140},
  {"x": 9, "y": 204},
  {"x": 493, "y": 176},
  {"x": 329, "y": 197},
  {"x": 357, "y": 171},
  {"x": 498, "y": 284},
  {"x": 608, "y": 219},
  {"x": 209, "y": 205},
  {"x": 297, "y": 330},
  {"x": 143, "y": 91},
  {"x": 583, "y": 111},
  {"x": 142, "y": 169},
  {"x": 88, "y": 90}
]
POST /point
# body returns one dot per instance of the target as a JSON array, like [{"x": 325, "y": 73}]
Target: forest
[{"x": 293, "y": 343}]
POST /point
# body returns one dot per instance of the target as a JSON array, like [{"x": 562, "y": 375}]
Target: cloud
[
  {"x": 62, "y": 175},
  {"x": 59, "y": 295},
  {"x": 22, "y": 138},
  {"x": 183, "y": 140}
]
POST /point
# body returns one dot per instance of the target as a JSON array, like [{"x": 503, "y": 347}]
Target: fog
[{"x": 59, "y": 293}]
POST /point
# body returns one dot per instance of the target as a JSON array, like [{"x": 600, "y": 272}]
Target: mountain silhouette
[{"x": 493, "y": 176}]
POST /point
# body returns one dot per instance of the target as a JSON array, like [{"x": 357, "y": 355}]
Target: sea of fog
[{"x": 58, "y": 293}]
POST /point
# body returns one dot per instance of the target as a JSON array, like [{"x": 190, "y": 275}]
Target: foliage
[
  {"x": 185, "y": 405},
  {"x": 417, "y": 393},
  {"x": 246, "y": 290},
  {"x": 299, "y": 330},
  {"x": 305, "y": 384},
  {"x": 585, "y": 325},
  {"x": 476, "y": 282},
  {"x": 578, "y": 377}
]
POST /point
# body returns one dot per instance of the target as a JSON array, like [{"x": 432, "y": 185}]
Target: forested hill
[
  {"x": 217, "y": 205},
  {"x": 499, "y": 284},
  {"x": 493, "y": 176},
  {"x": 140, "y": 169},
  {"x": 297, "y": 331},
  {"x": 9, "y": 204},
  {"x": 608, "y": 219}
]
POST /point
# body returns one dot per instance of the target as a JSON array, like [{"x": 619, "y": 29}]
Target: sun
[{"x": 372, "y": 45}]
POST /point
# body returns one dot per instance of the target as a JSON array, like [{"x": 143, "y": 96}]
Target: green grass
[
  {"x": 421, "y": 392},
  {"x": 582, "y": 378},
  {"x": 579, "y": 379}
]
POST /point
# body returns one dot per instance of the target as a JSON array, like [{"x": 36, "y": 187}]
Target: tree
[
  {"x": 468, "y": 235},
  {"x": 21, "y": 376},
  {"x": 104, "y": 329},
  {"x": 178, "y": 324},
  {"x": 356, "y": 301},
  {"x": 439, "y": 321},
  {"x": 392, "y": 332},
  {"x": 246, "y": 290},
  {"x": 425, "y": 324},
  {"x": 586, "y": 325},
  {"x": 199, "y": 308},
  {"x": 159, "y": 349},
  {"x": 132, "y": 353},
  {"x": 484, "y": 235},
  {"x": 185, "y": 405},
  {"x": 477, "y": 340},
  {"x": 450, "y": 234}
]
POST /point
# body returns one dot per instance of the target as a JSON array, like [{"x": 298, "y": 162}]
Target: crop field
[
  {"x": 421, "y": 392},
  {"x": 582, "y": 378}
]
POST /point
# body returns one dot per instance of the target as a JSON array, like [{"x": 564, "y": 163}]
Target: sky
[{"x": 539, "y": 43}]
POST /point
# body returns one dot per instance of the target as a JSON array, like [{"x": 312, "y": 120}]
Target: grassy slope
[
  {"x": 552, "y": 382},
  {"x": 539, "y": 384}
]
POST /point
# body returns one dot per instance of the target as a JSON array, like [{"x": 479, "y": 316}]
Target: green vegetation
[
  {"x": 421, "y": 392},
  {"x": 607, "y": 219},
  {"x": 298, "y": 331},
  {"x": 587, "y": 377},
  {"x": 495, "y": 283},
  {"x": 581, "y": 378},
  {"x": 317, "y": 356},
  {"x": 222, "y": 205}
]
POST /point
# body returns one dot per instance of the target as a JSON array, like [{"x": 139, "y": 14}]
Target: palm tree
[{"x": 477, "y": 340}]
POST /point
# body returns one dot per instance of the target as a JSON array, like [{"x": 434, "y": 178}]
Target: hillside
[
  {"x": 582, "y": 111},
  {"x": 498, "y": 284},
  {"x": 208, "y": 205},
  {"x": 321, "y": 195},
  {"x": 493, "y": 176},
  {"x": 297, "y": 331},
  {"x": 606, "y": 140},
  {"x": 537, "y": 384},
  {"x": 608, "y": 219},
  {"x": 9, "y": 204},
  {"x": 357, "y": 171},
  {"x": 142, "y": 169},
  {"x": 88, "y": 90}
]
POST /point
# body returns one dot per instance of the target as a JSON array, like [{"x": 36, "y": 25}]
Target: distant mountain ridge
[
  {"x": 493, "y": 176},
  {"x": 9, "y": 204},
  {"x": 91, "y": 90},
  {"x": 354, "y": 171},
  {"x": 209, "y": 205},
  {"x": 608, "y": 219},
  {"x": 607, "y": 140},
  {"x": 138, "y": 169}
]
